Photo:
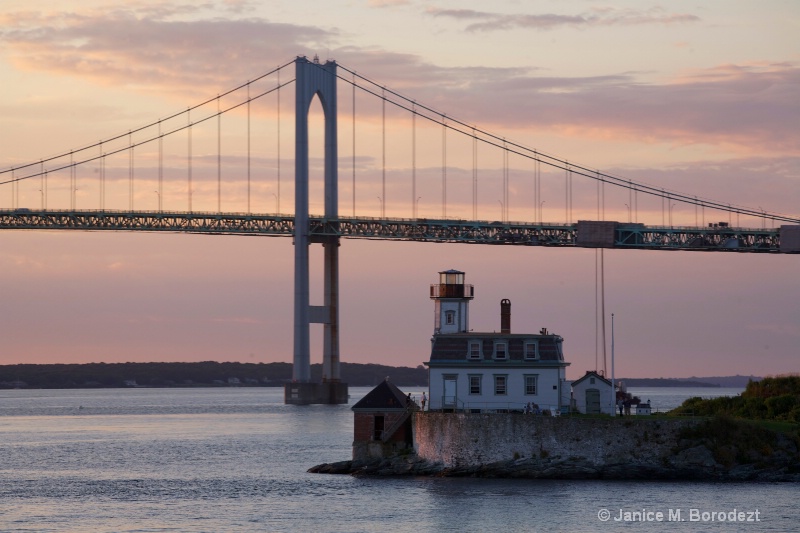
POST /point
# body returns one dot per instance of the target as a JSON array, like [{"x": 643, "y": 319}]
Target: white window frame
[
  {"x": 496, "y": 355},
  {"x": 470, "y": 345},
  {"x": 498, "y": 389},
  {"x": 535, "y": 378},
  {"x": 449, "y": 317},
  {"x": 535, "y": 345},
  {"x": 479, "y": 378}
]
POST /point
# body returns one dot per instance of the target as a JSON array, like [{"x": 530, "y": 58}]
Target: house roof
[
  {"x": 591, "y": 374},
  {"x": 453, "y": 348},
  {"x": 384, "y": 397}
]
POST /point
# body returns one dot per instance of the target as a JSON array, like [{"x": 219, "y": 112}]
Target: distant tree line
[
  {"x": 773, "y": 398},
  {"x": 202, "y": 374}
]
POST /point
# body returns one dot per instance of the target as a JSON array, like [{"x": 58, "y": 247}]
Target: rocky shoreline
[{"x": 693, "y": 464}]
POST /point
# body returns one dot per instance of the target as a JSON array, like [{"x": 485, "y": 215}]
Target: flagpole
[{"x": 613, "y": 392}]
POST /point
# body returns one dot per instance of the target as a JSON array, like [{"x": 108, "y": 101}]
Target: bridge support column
[{"x": 313, "y": 79}]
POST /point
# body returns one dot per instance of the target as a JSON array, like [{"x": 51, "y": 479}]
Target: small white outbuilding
[{"x": 592, "y": 394}]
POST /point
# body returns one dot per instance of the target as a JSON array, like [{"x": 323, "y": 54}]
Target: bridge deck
[{"x": 581, "y": 234}]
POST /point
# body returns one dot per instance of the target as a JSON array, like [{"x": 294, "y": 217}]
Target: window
[
  {"x": 500, "y": 350},
  {"x": 531, "y": 350},
  {"x": 475, "y": 349},
  {"x": 591, "y": 381},
  {"x": 450, "y": 317},
  {"x": 475, "y": 384},
  {"x": 531, "y": 384},
  {"x": 500, "y": 383}
]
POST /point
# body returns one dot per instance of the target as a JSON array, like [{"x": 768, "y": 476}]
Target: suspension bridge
[{"x": 179, "y": 161}]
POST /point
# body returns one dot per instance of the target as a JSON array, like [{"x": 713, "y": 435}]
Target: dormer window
[
  {"x": 475, "y": 349},
  {"x": 531, "y": 350},
  {"x": 500, "y": 350}
]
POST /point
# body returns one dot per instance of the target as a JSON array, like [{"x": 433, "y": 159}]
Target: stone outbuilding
[
  {"x": 592, "y": 394},
  {"x": 382, "y": 422}
]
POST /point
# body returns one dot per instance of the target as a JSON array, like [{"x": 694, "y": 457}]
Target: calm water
[{"x": 235, "y": 459}]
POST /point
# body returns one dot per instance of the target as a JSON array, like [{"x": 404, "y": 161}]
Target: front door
[
  {"x": 449, "y": 397},
  {"x": 592, "y": 401}
]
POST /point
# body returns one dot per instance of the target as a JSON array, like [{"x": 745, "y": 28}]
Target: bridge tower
[{"x": 315, "y": 79}]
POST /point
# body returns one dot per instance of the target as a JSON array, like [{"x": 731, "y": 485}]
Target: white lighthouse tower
[{"x": 451, "y": 297}]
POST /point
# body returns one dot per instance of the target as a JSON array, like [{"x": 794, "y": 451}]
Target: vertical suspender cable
[
  {"x": 414, "y": 212},
  {"x": 278, "y": 205},
  {"x": 505, "y": 181},
  {"x": 603, "y": 189},
  {"x": 537, "y": 167},
  {"x": 130, "y": 172},
  {"x": 598, "y": 195},
  {"x": 630, "y": 200},
  {"x": 541, "y": 202},
  {"x": 102, "y": 179},
  {"x": 42, "y": 184},
  {"x": 383, "y": 137},
  {"x": 248, "y": 147},
  {"x": 219, "y": 158},
  {"x": 474, "y": 175},
  {"x": 566, "y": 191},
  {"x": 569, "y": 220},
  {"x": 354, "y": 144},
  {"x": 444, "y": 166},
  {"x": 160, "y": 167},
  {"x": 72, "y": 184},
  {"x": 189, "y": 154}
]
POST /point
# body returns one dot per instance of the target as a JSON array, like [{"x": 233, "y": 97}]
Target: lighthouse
[{"x": 451, "y": 297}]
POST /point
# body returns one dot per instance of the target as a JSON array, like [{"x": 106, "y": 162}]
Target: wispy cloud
[
  {"x": 752, "y": 107},
  {"x": 489, "y": 21},
  {"x": 388, "y": 3},
  {"x": 154, "y": 46}
]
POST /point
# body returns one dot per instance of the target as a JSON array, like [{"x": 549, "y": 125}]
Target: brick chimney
[{"x": 505, "y": 315}]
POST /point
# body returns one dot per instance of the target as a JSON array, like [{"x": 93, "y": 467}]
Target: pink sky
[{"x": 701, "y": 100}]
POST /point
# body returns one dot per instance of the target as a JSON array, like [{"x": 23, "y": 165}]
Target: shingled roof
[
  {"x": 454, "y": 347},
  {"x": 385, "y": 397}
]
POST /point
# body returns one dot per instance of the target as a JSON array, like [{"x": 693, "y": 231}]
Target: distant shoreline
[{"x": 215, "y": 374}]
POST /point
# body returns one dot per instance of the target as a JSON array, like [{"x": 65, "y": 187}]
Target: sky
[{"x": 695, "y": 97}]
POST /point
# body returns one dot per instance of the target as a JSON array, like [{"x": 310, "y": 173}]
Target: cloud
[
  {"x": 747, "y": 108},
  {"x": 487, "y": 21},
  {"x": 179, "y": 50},
  {"x": 388, "y": 3},
  {"x": 154, "y": 47}
]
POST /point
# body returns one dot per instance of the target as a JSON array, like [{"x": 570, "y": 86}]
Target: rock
[{"x": 696, "y": 456}]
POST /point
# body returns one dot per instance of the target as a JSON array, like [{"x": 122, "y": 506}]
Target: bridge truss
[{"x": 580, "y": 234}]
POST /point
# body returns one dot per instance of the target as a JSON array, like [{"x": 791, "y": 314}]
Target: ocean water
[{"x": 235, "y": 459}]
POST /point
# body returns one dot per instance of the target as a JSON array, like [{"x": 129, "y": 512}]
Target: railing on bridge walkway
[{"x": 588, "y": 234}]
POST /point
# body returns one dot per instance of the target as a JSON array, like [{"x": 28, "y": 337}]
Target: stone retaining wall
[{"x": 458, "y": 440}]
